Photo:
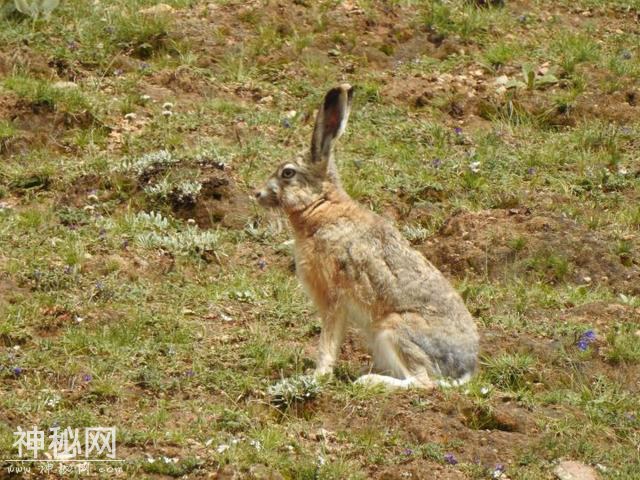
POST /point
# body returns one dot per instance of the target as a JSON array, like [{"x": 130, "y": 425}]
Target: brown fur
[{"x": 360, "y": 271}]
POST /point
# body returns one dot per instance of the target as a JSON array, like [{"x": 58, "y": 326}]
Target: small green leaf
[
  {"x": 515, "y": 84},
  {"x": 547, "y": 79}
]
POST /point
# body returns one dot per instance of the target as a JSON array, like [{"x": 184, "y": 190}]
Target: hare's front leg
[{"x": 331, "y": 337}]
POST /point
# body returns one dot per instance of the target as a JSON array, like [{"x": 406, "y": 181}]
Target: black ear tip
[{"x": 332, "y": 97}]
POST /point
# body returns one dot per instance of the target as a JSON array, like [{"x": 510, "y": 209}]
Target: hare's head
[{"x": 299, "y": 183}]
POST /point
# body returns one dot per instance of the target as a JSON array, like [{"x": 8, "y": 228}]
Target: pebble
[
  {"x": 62, "y": 85},
  {"x": 572, "y": 470},
  {"x": 159, "y": 9}
]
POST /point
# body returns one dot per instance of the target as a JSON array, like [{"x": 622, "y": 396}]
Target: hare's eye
[{"x": 288, "y": 173}]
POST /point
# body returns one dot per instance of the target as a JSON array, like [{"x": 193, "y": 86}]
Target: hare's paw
[
  {"x": 392, "y": 382},
  {"x": 372, "y": 379}
]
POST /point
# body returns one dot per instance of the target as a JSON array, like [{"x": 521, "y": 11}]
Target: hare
[{"x": 360, "y": 271}]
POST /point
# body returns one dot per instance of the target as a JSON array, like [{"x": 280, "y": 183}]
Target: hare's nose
[{"x": 257, "y": 194}]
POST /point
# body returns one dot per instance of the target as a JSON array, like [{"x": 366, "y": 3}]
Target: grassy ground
[{"x": 141, "y": 288}]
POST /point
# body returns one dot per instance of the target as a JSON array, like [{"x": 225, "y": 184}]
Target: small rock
[
  {"x": 262, "y": 472},
  {"x": 502, "y": 80},
  {"x": 572, "y": 470},
  {"x": 62, "y": 85},
  {"x": 159, "y": 9}
]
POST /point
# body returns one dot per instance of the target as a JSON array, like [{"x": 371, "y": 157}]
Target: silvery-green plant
[
  {"x": 160, "y": 189},
  {"x": 187, "y": 190},
  {"x": 146, "y": 220},
  {"x": 294, "y": 390},
  {"x": 415, "y": 233},
  {"x": 36, "y": 8},
  {"x": 148, "y": 162},
  {"x": 191, "y": 241}
]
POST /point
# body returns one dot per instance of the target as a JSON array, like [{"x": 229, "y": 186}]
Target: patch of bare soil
[
  {"x": 38, "y": 124},
  {"x": 219, "y": 202},
  {"x": 497, "y": 243},
  {"x": 26, "y": 60},
  {"x": 9, "y": 290},
  {"x": 435, "y": 419}
]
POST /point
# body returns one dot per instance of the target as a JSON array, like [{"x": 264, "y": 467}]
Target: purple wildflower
[
  {"x": 144, "y": 66},
  {"x": 450, "y": 459},
  {"x": 262, "y": 264},
  {"x": 17, "y": 371},
  {"x": 86, "y": 377},
  {"x": 626, "y": 54},
  {"x": 189, "y": 373},
  {"x": 498, "y": 471},
  {"x": 407, "y": 451},
  {"x": 531, "y": 171},
  {"x": 286, "y": 123},
  {"x": 117, "y": 72},
  {"x": 72, "y": 45},
  {"x": 436, "y": 163},
  {"x": 458, "y": 130},
  {"x": 585, "y": 339}
]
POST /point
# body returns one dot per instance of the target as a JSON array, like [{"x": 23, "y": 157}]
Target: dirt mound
[
  {"x": 37, "y": 124},
  {"x": 497, "y": 243},
  {"x": 439, "y": 429},
  {"x": 219, "y": 202}
]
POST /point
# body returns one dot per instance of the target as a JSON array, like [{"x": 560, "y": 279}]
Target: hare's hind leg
[{"x": 393, "y": 363}]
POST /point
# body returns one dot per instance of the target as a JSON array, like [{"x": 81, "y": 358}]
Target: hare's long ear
[{"x": 330, "y": 123}]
